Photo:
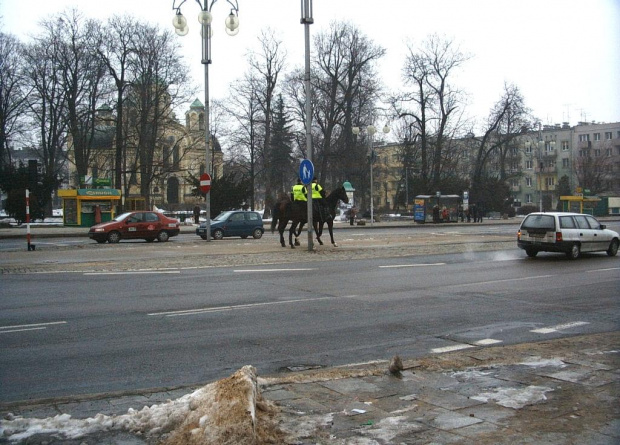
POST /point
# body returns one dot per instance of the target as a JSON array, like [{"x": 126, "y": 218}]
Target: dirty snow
[
  {"x": 537, "y": 362},
  {"x": 227, "y": 406},
  {"x": 515, "y": 398}
]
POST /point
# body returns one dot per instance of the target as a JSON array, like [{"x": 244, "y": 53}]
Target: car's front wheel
[
  {"x": 163, "y": 236},
  {"x": 257, "y": 234},
  {"x": 114, "y": 237},
  {"x": 613, "y": 248},
  {"x": 531, "y": 252},
  {"x": 574, "y": 252},
  {"x": 218, "y": 234}
]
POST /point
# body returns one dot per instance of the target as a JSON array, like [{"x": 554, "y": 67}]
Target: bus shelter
[
  {"x": 425, "y": 206},
  {"x": 579, "y": 204},
  {"x": 87, "y": 207}
]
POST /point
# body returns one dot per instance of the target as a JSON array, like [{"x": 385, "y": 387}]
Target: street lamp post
[
  {"x": 370, "y": 131},
  {"x": 181, "y": 28},
  {"x": 307, "y": 20}
]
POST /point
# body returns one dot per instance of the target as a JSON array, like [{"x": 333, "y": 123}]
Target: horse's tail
[{"x": 275, "y": 215}]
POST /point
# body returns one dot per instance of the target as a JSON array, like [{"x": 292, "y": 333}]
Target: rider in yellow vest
[
  {"x": 318, "y": 203},
  {"x": 299, "y": 194}
]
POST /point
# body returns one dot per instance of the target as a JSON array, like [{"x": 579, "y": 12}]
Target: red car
[{"x": 136, "y": 225}]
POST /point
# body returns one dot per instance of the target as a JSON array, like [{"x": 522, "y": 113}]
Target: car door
[
  {"x": 152, "y": 225},
  {"x": 235, "y": 225},
  {"x": 599, "y": 239},
  {"x": 586, "y": 234},
  {"x": 133, "y": 226}
]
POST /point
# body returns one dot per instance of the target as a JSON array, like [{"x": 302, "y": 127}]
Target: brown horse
[{"x": 285, "y": 211}]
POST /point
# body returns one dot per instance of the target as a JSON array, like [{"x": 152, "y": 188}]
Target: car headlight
[{"x": 99, "y": 229}]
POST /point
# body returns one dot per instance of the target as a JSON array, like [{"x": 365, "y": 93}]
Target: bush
[{"x": 527, "y": 209}]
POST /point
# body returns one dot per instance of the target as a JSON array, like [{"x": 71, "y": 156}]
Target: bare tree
[
  {"x": 13, "y": 95},
  {"x": 431, "y": 100},
  {"x": 266, "y": 67}
]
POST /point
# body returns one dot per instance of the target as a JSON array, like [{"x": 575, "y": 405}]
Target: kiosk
[
  {"x": 423, "y": 207},
  {"x": 87, "y": 207}
]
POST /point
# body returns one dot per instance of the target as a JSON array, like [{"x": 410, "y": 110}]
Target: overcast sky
[{"x": 563, "y": 54}]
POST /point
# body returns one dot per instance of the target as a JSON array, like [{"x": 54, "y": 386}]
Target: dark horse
[
  {"x": 330, "y": 202},
  {"x": 285, "y": 211}
]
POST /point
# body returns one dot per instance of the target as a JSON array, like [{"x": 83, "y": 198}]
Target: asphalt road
[{"x": 69, "y": 333}]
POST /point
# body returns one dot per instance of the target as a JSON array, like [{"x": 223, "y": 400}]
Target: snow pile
[{"x": 229, "y": 411}]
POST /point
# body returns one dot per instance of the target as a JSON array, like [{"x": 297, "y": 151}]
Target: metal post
[
  {"x": 206, "y": 60},
  {"x": 372, "y": 196},
  {"x": 307, "y": 20}
]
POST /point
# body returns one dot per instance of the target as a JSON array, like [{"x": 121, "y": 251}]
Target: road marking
[
  {"x": 412, "y": 265},
  {"x": 559, "y": 327},
  {"x": 487, "y": 342},
  {"x": 135, "y": 272},
  {"x": 270, "y": 270},
  {"x": 503, "y": 281},
  {"x": 603, "y": 270},
  {"x": 234, "y": 307},
  {"x": 28, "y": 327},
  {"x": 450, "y": 348}
]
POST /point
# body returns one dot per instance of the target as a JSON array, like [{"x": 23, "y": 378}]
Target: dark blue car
[{"x": 234, "y": 223}]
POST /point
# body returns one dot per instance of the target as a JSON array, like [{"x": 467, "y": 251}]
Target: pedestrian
[
  {"x": 468, "y": 214},
  {"x": 435, "y": 213},
  {"x": 352, "y": 213},
  {"x": 196, "y": 214},
  {"x": 445, "y": 215},
  {"x": 474, "y": 211}
]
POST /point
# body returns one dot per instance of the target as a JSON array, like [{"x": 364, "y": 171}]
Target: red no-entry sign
[{"x": 205, "y": 183}]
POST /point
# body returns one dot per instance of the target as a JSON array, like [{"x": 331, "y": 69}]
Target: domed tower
[{"x": 195, "y": 127}]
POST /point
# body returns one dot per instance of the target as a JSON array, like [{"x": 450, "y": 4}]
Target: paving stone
[{"x": 446, "y": 399}]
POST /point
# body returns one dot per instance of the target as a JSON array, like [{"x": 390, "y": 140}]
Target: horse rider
[
  {"x": 299, "y": 194},
  {"x": 318, "y": 200}
]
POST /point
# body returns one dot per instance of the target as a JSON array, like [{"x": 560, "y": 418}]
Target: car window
[
  {"x": 567, "y": 222},
  {"x": 222, "y": 216},
  {"x": 237, "y": 217},
  {"x": 151, "y": 217},
  {"x": 251, "y": 216},
  {"x": 546, "y": 222},
  {"x": 582, "y": 222},
  {"x": 135, "y": 218},
  {"x": 594, "y": 224}
]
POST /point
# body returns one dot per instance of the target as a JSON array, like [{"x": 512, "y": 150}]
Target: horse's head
[{"x": 342, "y": 195}]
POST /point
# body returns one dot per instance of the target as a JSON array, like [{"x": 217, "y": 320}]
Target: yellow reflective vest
[
  {"x": 316, "y": 191},
  {"x": 299, "y": 193}
]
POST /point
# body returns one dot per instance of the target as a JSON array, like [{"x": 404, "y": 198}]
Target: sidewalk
[{"x": 562, "y": 391}]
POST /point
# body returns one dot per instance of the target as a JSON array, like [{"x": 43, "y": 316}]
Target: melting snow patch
[
  {"x": 515, "y": 398},
  {"x": 390, "y": 427},
  {"x": 537, "y": 362}
]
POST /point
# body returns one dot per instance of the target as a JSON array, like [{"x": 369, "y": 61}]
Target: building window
[
  {"x": 607, "y": 135},
  {"x": 548, "y": 146},
  {"x": 597, "y": 136},
  {"x": 597, "y": 152},
  {"x": 528, "y": 181},
  {"x": 584, "y": 137},
  {"x": 565, "y": 162},
  {"x": 550, "y": 181},
  {"x": 528, "y": 198},
  {"x": 608, "y": 152},
  {"x": 529, "y": 165},
  {"x": 564, "y": 145}
]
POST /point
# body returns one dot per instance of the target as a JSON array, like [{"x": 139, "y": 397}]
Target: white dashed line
[
  {"x": 488, "y": 341},
  {"x": 28, "y": 327},
  {"x": 559, "y": 327},
  {"x": 412, "y": 265},
  {"x": 450, "y": 348}
]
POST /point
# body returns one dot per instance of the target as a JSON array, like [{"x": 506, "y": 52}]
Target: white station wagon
[{"x": 570, "y": 233}]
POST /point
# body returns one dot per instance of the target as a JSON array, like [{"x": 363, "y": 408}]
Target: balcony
[{"x": 515, "y": 188}]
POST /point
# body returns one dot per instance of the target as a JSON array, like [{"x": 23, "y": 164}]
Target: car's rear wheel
[
  {"x": 218, "y": 234},
  {"x": 163, "y": 236},
  {"x": 257, "y": 234},
  {"x": 114, "y": 237},
  {"x": 531, "y": 252},
  {"x": 613, "y": 248},
  {"x": 574, "y": 252}
]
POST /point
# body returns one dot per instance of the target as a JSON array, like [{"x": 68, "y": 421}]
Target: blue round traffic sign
[{"x": 306, "y": 171}]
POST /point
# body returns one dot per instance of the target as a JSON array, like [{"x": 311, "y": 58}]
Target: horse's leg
[
  {"x": 291, "y": 231},
  {"x": 281, "y": 227},
  {"x": 318, "y": 229},
  {"x": 330, "y": 226},
  {"x": 298, "y": 232}
]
